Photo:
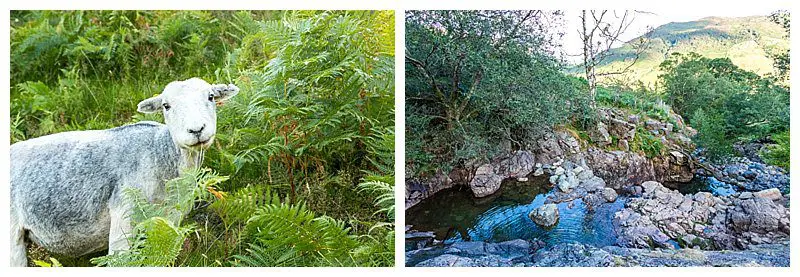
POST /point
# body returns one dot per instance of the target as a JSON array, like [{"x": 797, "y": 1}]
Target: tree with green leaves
[
  {"x": 477, "y": 78},
  {"x": 726, "y": 103}
]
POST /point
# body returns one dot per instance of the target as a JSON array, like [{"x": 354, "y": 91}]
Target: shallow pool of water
[
  {"x": 455, "y": 215},
  {"x": 707, "y": 184}
]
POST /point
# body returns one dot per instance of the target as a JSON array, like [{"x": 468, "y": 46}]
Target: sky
[{"x": 650, "y": 18}]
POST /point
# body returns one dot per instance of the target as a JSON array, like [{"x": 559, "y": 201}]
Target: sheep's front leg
[
  {"x": 19, "y": 256},
  {"x": 120, "y": 227}
]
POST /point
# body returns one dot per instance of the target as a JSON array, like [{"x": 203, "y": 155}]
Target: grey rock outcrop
[
  {"x": 417, "y": 189},
  {"x": 489, "y": 177},
  {"x": 534, "y": 254},
  {"x": 573, "y": 254},
  {"x": 662, "y": 215},
  {"x": 475, "y": 254},
  {"x": 620, "y": 168}
]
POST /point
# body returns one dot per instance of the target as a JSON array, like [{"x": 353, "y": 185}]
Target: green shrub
[
  {"x": 711, "y": 134},
  {"x": 640, "y": 100},
  {"x": 724, "y": 102},
  {"x": 779, "y": 154},
  {"x": 647, "y": 143},
  {"x": 324, "y": 94}
]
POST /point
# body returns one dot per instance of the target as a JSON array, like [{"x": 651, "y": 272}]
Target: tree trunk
[
  {"x": 592, "y": 79},
  {"x": 588, "y": 59}
]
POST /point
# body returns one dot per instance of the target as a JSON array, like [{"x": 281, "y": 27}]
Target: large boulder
[
  {"x": 609, "y": 194},
  {"x": 621, "y": 129},
  {"x": 554, "y": 146},
  {"x": 758, "y": 215},
  {"x": 771, "y": 194},
  {"x": 418, "y": 189},
  {"x": 488, "y": 177},
  {"x": 545, "y": 215},
  {"x": 620, "y": 169},
  {"x": 486, "y": 181},
  {"x": 519, "y": 164}
]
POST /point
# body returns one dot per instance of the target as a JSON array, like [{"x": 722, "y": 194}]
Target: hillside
[{"x": 747, "y": 41}]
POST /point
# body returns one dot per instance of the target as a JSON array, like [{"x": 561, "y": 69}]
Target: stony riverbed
[{"x": 710, "y": 223}]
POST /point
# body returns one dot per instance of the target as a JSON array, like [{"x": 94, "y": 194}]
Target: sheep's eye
[
  {"x": 211, "y": 97},
  {"x": 166, "y": 106}
]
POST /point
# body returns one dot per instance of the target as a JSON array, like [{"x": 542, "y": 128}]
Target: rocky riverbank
[
  {"x": 618, "y": 165},
  {"x": 533, "y": 253},
  {"x": 659, "y": 225},
  {"x": 661, "y": 216}
]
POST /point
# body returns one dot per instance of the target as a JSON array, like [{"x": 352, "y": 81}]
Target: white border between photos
[{"x": 399, "y": 7}]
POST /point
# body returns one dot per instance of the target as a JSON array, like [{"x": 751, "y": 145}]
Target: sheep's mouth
[{"x": 201, "y": 144}]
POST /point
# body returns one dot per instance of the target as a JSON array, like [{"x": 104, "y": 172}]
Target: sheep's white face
[{"x": 190, "y": 110}]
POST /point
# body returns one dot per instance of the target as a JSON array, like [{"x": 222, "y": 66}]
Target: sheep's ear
[
  {"x": 150, "y": 105},
  {"x": 224, "y": 92}
]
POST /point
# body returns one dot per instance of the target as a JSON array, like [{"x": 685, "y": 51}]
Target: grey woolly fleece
[{"x": 61, "y": 194}]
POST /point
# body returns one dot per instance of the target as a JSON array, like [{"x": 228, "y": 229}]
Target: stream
[
  {"x": 455, "y": 215},
  {"x": 707, "y": 184}
]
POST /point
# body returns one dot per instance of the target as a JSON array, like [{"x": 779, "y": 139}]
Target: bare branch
[{"x": 421, "y": 66}]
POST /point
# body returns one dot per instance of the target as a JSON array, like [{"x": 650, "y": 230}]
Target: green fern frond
[
  {"x": 278, "y": 225},
  {"x": 260, "y": 256},
  {"x": 239, "y": 207},
  {"x": 383, "y": 193},
  {"x": 157, "y": 243}
]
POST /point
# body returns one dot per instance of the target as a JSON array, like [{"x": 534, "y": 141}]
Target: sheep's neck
[{"x": 191, "y": 159}]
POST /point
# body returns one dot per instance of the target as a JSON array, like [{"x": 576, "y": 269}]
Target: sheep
[{"x": 66, "y": 188}]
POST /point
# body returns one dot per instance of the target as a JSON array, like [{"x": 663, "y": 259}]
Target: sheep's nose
[{"x": 197, "y": 131}]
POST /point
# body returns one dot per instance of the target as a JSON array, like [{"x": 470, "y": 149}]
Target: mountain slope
[{"x": 747, "y": 41}]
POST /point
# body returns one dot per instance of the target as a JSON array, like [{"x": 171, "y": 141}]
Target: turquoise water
[{"x": 455, "y": 215}]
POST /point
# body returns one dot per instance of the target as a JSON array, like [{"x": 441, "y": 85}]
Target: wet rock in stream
[
  {"x": 545, "y": 215},
  {"x": 575, "y": 181},
  {"x": 752, "y": 175}
]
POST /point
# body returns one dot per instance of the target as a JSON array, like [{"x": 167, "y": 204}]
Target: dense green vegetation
[
  {"x": 479, "y": 83},
  {"x": 307, "y": 143},
  {"x": 483, "y": 83},
  {"x": 724, "y": 102}
]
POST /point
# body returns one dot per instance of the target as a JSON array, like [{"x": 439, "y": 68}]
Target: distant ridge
[{"x": 747, "y": 41}]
